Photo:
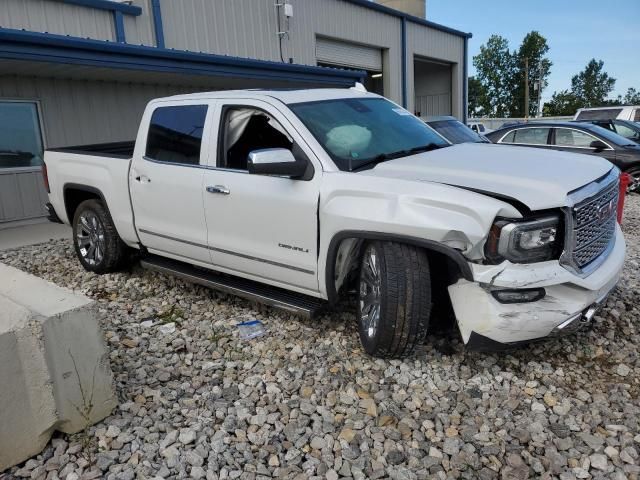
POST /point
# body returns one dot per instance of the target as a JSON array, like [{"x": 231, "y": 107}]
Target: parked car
[
  {"x": 631, "y": 113},
  {"x": 626, "y": 128},
  {"x": 297, "y": 197},
  {"x": 479, "y": 127},
  {"x": 577, "y": 137},
  {"x": 454, "y": 131}
]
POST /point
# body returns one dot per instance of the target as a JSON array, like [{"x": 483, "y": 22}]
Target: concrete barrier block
[{"x": 54, "y": 369}]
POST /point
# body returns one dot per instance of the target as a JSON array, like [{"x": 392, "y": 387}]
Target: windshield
[
  {"x": 359, "y": 131},
  {"x": 610, "y": 136},
  {"x": 455, "y": 131}
]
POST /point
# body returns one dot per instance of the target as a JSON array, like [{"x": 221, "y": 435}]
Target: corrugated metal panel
[
  {"x": 336, "y": 52},
  {"x": 22, "y": 194},
  {"x": 139, "y": 30},
  {"x": 57, "y": 17},
  {"x": 76, "y": 112}
]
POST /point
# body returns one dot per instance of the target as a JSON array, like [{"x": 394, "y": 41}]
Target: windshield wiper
[{"x": 393, "y": 155}]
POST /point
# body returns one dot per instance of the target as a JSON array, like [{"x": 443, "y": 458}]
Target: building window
[
  {"x": 175, "y": 134},
  {"x": 20, "y": 135}
]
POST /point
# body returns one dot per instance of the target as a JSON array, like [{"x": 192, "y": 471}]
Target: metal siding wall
[
  {"x": 430, "y": 43},
  {"x": 22, "y": 194},
  {"x": 57, "y": 17},
  {"x": 247, "y": 28},
  {"x": 80, "y": 112},
  {"x": 139, "y": 30}
]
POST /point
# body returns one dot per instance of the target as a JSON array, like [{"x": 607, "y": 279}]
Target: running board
[{"x": 303, "y": 305}]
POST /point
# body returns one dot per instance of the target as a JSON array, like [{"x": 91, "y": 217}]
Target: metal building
[{"x": 81, "y": 71}]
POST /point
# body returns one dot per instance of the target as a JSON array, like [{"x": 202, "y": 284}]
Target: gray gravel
[{"x": 304, "y": 401}]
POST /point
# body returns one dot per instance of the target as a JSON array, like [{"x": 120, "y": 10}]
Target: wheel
[
  {"x": 394, "y": 300},
  {"x": 634, "y": 184},
  {"x": 97, "y": 243}
]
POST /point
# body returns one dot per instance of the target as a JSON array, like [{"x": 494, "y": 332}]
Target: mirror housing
[
  {"x": 598, "y": 145},
  {"x": 276, "y": 161}
]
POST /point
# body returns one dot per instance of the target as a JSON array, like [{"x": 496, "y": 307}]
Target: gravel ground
[{"x": 303, "y": 401}]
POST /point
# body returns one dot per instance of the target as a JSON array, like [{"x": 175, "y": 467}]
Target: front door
[
  {"x": 261, "y": 227},
  {"x": 166, "y": 183},
  {"x": 577, "y": 141}
]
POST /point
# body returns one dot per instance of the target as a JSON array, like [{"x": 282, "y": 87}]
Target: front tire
[
  {"x": 97, "y": 243},
  {"x": 394, "y": 299},
  {"x": 634, "y": 185}
]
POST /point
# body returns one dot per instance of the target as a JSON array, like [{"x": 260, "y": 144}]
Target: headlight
[{"x": 524, "y": 241}]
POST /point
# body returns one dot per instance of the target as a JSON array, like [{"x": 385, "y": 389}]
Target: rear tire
[
  {"x": 97, "y": 243},
  {"x": 394, "y": 299}
]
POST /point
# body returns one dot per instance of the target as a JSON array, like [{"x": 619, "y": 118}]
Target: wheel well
[
  {"x": 445, "y": 267},
  {"x": 75, "y": 196}
]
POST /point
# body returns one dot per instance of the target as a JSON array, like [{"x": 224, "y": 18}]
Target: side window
[
  {"x": 508, "y": 138},
  {"x": 531, "y": 136},
  {"x": 626, "y": 131},
  {"x": 573, "y": 138},
  {"x": 245, "y": 129},
  {"x": 175, "y": 134}
]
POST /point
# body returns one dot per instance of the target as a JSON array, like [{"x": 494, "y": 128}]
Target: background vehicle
[
  {"x": 631, "y": 113},
  {"x": 626, "y": 128},
  {"x": 454, "y": 130},
  {"x": 295, "y": 197},
  {"x": 576, "y": 137},
  {"x": 479, "y": 127}
]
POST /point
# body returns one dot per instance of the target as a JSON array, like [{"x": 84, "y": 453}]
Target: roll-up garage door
[{"x": 335, "y": 52}]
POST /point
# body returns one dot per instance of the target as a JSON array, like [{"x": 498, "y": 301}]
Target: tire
[
  {"x": 394, "y": 280},
  {"x": 634, "y": 186},
  {"x": 97, "y": 243}
]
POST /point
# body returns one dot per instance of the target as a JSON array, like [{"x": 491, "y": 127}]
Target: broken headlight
[{"x": 524, "y": 241}]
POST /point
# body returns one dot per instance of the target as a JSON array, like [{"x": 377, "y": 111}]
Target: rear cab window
[{"x": 175, "y": 134}]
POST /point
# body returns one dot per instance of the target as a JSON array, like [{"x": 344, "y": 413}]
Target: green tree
[
  {"x": 632, "y": 97},
  {"x": 562, "y": 103},
  {"x": 495, "y": 69},
  {"x": 592, "y": 85},
  {"x": 478, "y": 99},
  {"x": 532, "y": 51}
]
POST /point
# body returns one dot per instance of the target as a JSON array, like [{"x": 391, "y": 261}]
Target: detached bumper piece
[{"x": 52, "y": 216}]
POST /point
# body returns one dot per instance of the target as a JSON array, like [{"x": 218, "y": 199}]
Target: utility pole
[
  {"x": 526, "y": 88},
  {"x": 540, "y": 90}
]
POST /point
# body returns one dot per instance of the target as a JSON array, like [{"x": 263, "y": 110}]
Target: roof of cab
[{"x": 288, "y": 96}]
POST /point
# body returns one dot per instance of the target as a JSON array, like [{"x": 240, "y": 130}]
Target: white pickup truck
[{"x": 297, "y": 197}]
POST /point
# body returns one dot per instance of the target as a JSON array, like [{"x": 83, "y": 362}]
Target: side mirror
[
  {"x": 598, "y": 145},
  {"x": 275, "y": 161}
]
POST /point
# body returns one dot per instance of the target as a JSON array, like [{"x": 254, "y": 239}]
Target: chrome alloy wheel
[
  {"x": 370, "y": 286},
  {"x": 90, "y": 238}
]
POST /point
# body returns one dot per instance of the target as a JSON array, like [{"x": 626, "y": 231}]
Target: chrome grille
[{"x": 594, "y": 225}]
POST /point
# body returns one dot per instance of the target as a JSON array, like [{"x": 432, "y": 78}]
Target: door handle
[
  {"x": 218, "y": 189},
  {"x": 143, "y": 179}
]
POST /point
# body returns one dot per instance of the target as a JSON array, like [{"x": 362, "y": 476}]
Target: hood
[{"x": 538, "y": 178}]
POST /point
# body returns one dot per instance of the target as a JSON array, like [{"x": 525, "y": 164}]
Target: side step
[{"x": 297, "y": 303}]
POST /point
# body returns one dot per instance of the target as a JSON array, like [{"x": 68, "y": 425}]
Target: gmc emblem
[{"x": 607, "y": 210}]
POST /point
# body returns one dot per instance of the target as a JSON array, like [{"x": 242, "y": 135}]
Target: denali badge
[{"x": 297, "y": 249}]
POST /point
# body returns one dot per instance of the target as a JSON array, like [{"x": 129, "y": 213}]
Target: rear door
[
  {"x": 261, "y": 227},
  {"x": 528, "y": 137},
  {"x": 166, "y": 180},
  {"x": 578, "y": 141}
]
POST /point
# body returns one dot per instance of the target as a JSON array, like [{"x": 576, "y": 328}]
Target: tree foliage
[
  {"x": 562, "y": 103},
  {"x": 533, "y": 48},
  {"x": 479, "y": 105},
  {"x": 495, "y": 71}
]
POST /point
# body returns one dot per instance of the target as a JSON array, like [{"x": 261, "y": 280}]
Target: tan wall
[{"x": 417, "y": 8}]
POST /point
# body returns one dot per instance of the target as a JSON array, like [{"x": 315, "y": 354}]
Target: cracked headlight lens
[{"x": 524, "y": 241}]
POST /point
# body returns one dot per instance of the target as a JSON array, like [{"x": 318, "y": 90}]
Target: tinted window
[
  {"x": 573, "y": 138},
  {"x": 175, "y": 134},
  {"x": 602, "y": 114},
  {"x": 20, "y": 140},
  {"x": 508, "y": 138},
  {"x": 530, "y": 136},
  {"x": 636, "y": 115},
  {"x": 246, "y": 129},
  {"x": 628, "y": 131},
  {"x": 354, "y": 131},
  {"x": 455, "y": 131}
]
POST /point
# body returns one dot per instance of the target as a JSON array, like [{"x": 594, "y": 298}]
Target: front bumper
[{"x": 570, "y": 301}]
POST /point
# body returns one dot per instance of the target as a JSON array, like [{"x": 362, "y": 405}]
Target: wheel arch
[
  {"x": 454, "y": 257},
  {"x": 75, "y": 193}
]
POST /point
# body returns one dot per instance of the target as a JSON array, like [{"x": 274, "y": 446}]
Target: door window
[
  {"x": 20, "y": 136},
  {"x": 626, "y": 132},
  {"x": 175, "y": 134},
  {"x": 573, "y": 138},
  {"x": 528, "y": 136},
  {"x": 245, "y": 129}
]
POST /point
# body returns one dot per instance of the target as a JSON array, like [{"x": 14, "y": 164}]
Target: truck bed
[{"x": 114, "y": 149}]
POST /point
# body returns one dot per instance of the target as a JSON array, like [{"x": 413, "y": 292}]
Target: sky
[{"x": 576, "y": 31}]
